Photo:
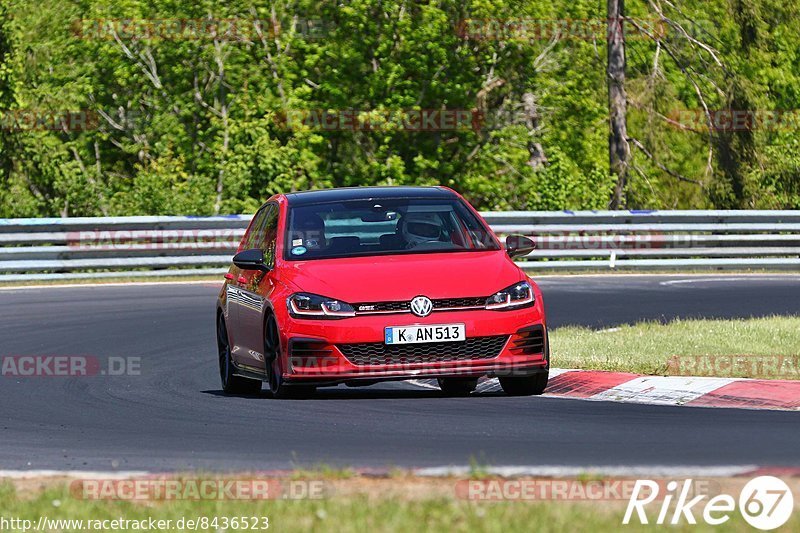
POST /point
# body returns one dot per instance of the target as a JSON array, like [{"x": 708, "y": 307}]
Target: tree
[
  {"x": 192, "y": 120},
  {"x": 618, "y": 150},
  {"x": 6, "y": 100}
]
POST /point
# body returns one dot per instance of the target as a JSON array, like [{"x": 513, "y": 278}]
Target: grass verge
[
  {"x": 356, "y": 505},
  {"x": 752, "y": 348}
]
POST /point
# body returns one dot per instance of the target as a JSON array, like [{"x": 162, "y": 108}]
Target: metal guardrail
[{"x": 75, "y": 248}]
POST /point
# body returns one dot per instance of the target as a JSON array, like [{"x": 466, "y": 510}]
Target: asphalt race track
[{"x": 173, "y": 415}]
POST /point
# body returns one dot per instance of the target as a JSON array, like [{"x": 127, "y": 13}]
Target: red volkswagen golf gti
[{"x": 368, "y": 284}]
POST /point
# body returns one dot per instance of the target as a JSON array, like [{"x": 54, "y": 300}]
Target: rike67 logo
[{"x": 765, "y": 503}]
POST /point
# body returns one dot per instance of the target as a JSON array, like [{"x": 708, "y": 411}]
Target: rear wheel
[
  {"x": 525, "y": 386},
  {"x": 231, "y": 383},
  {"x": 457, "y": 386},
  {"x": 272, "y": 354}
]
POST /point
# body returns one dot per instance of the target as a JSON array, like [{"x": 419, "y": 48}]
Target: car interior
[{"x": 331, "y": 231}]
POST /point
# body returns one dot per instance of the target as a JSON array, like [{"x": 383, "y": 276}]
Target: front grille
[
  {"x": 378, "y": 353},
  {"x": 459, "y": 302},
  {"x": 382, "y": 307},
  {"x": 367, "y": 308}
]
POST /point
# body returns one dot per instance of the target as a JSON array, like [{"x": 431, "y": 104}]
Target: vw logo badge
[{"x": 421, "y": 306}]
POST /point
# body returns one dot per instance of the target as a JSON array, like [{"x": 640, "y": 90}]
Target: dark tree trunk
[
  {"x": 618, "y": 150},
  {"x": 6, "y": 100},
  {"x": 536, "y": 157},
  {"x": 736, "y": 150}
]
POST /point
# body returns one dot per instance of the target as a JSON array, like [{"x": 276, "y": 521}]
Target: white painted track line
[
  {"x": 77, "y": 474},
  {"x": 574, "y": 471}
]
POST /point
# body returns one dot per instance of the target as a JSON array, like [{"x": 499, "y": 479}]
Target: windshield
[{"x": 380, "y": 227}]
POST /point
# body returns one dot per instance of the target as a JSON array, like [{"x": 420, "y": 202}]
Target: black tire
[
  {"x": 525, "y": 386},
  {"x": 231, "y": 383},
  {"x": 457, "y": 386},
  {"x": 272, "y": 355}
]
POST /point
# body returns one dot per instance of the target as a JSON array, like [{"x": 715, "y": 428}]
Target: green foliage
[{"x": 194, "y": 124}]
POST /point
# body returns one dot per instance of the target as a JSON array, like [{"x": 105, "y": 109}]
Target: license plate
[{"x": 433, "y": 333}]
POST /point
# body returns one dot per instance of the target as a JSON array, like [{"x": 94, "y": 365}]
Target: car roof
[{"x": 365, "y": 193}]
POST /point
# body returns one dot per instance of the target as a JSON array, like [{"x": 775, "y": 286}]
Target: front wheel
[
  {"x": 272, "y": 354},
  {"x": 525, "y": 386},
  {"x": 231, "y": 383}
]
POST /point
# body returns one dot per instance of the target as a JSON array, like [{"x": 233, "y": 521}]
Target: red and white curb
[{"x": 598, "y": 385}]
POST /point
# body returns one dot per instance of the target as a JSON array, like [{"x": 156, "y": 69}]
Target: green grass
[
  {"x": 760, "y": 347},
  {"x": 323, "y": 471},
  {"x": 354, "y": 513}
]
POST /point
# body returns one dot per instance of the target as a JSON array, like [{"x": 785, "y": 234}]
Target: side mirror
[
  {"x": 252, "y": 259},
  {"x": 519, "y": 245}
]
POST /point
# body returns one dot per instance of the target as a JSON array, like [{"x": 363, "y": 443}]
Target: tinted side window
[
  {"x": 249, "y": 239},
  {"x": 268, "y": 234},
  {"x": 263, "y": 227}
]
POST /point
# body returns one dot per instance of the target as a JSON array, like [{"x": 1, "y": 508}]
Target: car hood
[{"x": 402, "y": 277}]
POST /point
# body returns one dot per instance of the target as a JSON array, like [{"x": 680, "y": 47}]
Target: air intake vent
[{"x": 529, "y": 340}]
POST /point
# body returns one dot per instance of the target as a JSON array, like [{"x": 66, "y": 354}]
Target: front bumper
[{"x": 315, "y": 352}]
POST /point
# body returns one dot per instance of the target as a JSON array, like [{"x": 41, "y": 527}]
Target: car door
[
  {"x": 234, "y": 291},
  {"x": 254, "y": 290}
]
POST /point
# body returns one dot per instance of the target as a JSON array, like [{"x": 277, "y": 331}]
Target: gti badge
[{"x": 421, "y": 306}]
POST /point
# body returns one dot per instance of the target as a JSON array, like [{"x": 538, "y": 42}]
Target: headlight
[
  {"x": 518, "y": 295},
  {"x": 306, "y": 305}
]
